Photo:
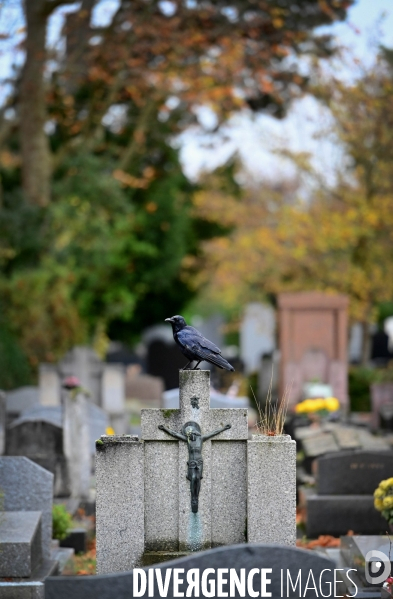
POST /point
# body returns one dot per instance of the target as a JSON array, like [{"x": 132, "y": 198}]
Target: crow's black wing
[
  {"x": 201, "y": 348},
  {"x": 206, "y": 354},
  {"x": 191, "y": 333}
]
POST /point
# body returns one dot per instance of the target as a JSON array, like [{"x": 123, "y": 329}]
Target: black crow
[{"x": 194, "y": 345}]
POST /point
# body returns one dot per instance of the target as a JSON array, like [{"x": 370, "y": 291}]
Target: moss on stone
[{"x": 168, "y": 413}]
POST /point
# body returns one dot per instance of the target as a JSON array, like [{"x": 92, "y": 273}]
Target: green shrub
[
  {"x": 62, "y": 521},
  {"x": 15, "y": 370},
  {"x": 359, "y": 381}
]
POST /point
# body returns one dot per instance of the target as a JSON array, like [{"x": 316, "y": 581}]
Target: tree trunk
[
  {"x": 77, "y": 31},
  {"x": 36, "y": 166}
]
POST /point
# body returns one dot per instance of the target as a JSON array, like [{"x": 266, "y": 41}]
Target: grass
[{"x": 272, "y": 418}]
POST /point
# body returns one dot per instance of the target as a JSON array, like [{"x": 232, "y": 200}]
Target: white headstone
[
  {"x": 113, "y": 389},
  {"x": 355, "y": 342},
  {"x": 49, "y": 385},
  {"x": 257, "y": 335}
]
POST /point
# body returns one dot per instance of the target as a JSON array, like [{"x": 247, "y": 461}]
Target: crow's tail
[{"x": 221, "y": 362}]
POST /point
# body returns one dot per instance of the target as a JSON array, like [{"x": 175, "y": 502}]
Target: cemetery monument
[
  {"x": 143, "y": 513},
  {"x": 313, "y": 342}
]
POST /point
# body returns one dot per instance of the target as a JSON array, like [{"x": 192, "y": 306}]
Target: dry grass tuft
[{"x": 272, "y": 418}]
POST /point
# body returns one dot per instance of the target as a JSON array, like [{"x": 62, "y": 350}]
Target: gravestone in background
[
  {"x": 144, "y": 387},
  {"x": 381, "y": 404},
  {"x": 2, "y": 422},
  {"x": 359, "y": 472},
  {"x": 114, "y": 396},
  {"x": 257, "y": 335},
  {"x": 344, "y": 500},
  {"x": 247, "y": 557},
  {"x": 210, "y": 327},
  {"x": 164, "y": 359},
  {"x": 76, "y": 443},
  {"x": 19, "y": 400},
  {"x": 49, "y": 384},
  {"x": 84, "y": 363},
  {"x": 313, "y": 342},
  {"x": 268, "y": 376},
  {"x": 38, "y": 435}
]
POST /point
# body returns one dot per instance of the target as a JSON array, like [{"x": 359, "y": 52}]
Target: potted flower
[
  {"x": 383, "y": 499},
  {"x": 318, "y": 408}
]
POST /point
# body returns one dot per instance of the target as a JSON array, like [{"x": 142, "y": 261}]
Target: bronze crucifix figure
[{"x": 191, "y": 433}]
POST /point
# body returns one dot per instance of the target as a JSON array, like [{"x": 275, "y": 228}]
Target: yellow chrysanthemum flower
[
  {"x": 378, "y": 493},
  {"x": 332, "y": 404},
  {"x": 385, "y": 484},
  {"x": 378, "y": 504},
  {"x": 388, "y": 502},
  {"x": 318, "y": 404}
]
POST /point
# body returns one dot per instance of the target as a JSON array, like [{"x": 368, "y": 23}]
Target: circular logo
[{"x": 377, "y": 567}]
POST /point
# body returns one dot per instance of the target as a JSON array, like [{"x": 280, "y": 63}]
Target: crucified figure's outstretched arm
[
  {"x": 172, "y": 433},
  {"x": 217, "y": 432}
]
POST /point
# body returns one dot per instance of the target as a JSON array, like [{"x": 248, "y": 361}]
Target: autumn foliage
[
  {"x": 98, "y": 232},
  {"x": 340, "y": 239}
]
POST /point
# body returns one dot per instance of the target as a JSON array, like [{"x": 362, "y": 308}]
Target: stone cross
[
  {"x": 224, "y": 472},
  {"x": 144, "y": 515}
]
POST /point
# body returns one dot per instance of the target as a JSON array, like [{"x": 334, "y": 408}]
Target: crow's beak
[{"x": 168, "y": 320}]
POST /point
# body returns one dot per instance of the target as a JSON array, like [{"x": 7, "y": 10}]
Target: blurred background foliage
[{"x": 100, "y": 231}]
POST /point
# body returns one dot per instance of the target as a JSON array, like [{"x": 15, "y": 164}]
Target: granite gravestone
[
  {"x": 152, "y": 476},
  {"x": 20, "y": 543},
  {"x": 332, "y": 437},
  {"x": 25, "y": 529},
  {"x": 255, "y": 561},
  {"x": 359, "y": 472},
  {"x": 344, "y": 500}
]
